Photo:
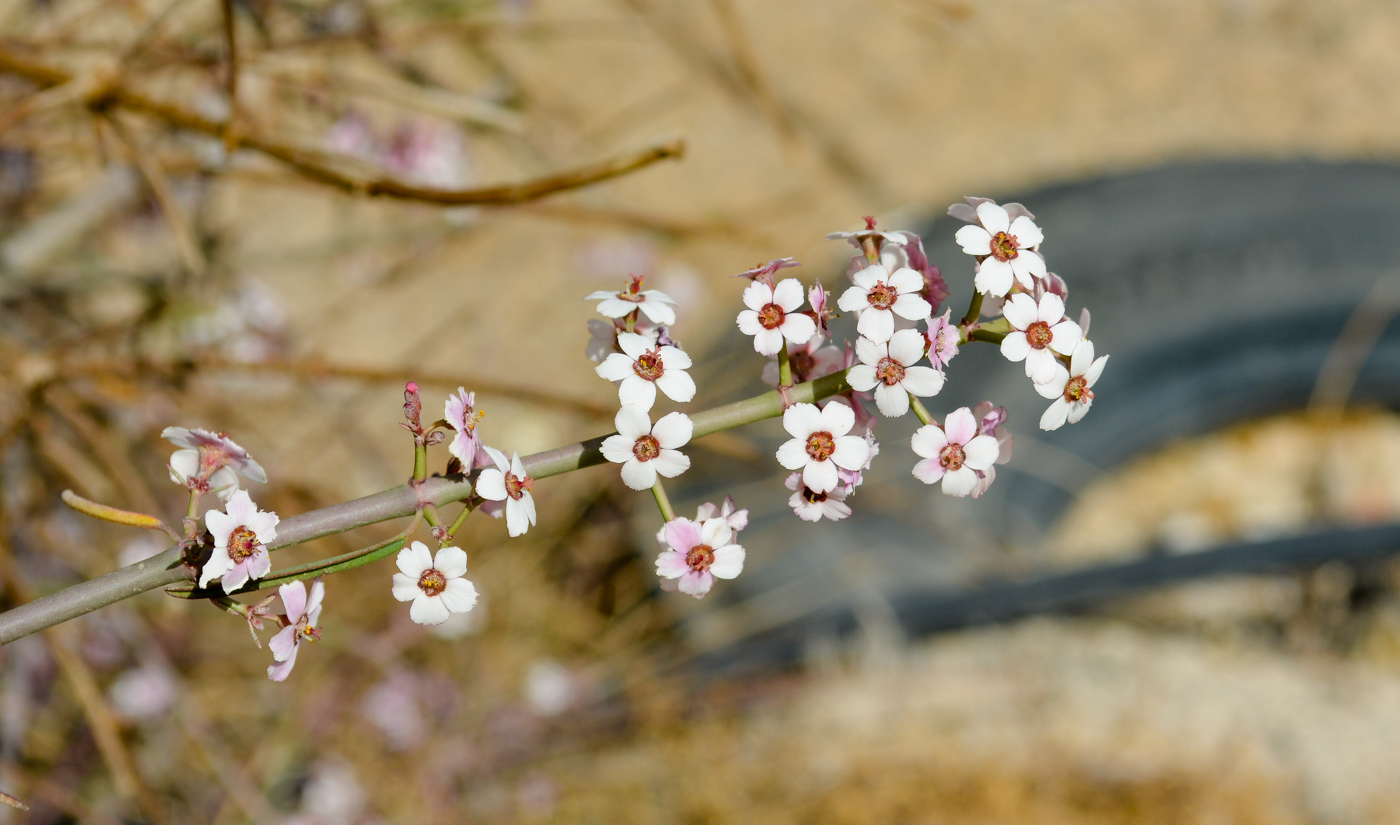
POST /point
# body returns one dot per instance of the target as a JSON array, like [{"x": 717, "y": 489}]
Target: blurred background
[{"x": 1182, "y": 609}]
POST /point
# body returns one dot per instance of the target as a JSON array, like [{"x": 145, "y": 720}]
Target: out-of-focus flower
[
  {"x": 393, "y": 706},
  {"x": 772, "y": 316},
  {"x": 210, "y": 462},
  {"x": 549, "y": 688},
  {"x": 820, "y": 444},
  {"x": 942, "y": 338},
  {"x": 810, "y": 360},
  {"x": 428, "y": 153},
  {"x": 698, "y": 554},
  {"x": 1004, "y": 249},
  {"x": 653, "y": 303},
  {"x": 436, "y": 586},
  {"x": 990, "y": 420},
  {"x": 1071, "y": 388},
  {"x": 332, "y": 795},
  {"x": 643, "y": 366},
  {"x": 888, "y": 368},
  {"x": 810, "y": 505},
  {"x": 953, "y": 455},
  {"x": 859, "y": 238},
  {"x": 144, "y": 693},
  {"x": 763, "y": 273},
  {"x": 241, "y": 535},
  {"x": 646, "y": 451},
  {"x": 508, "y": 482},
  {"x": 879, "y": 295},
  {"x": 461, "y": 414},
  {"x": 303, "y": 612},
  {"x": 1038, "y": 331}
]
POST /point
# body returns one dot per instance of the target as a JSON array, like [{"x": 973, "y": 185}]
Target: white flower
[
  {"x": 642, "y": 366},
  {"x": 1004, "y": 247},
  {"x": 303, "y": 613},
  {"x": 653, "y": 303},
  {"x": 879, "y": 295},
  {"x": 646, "y": 451},
  {"x": 1071, "y": 387},
  {"x": 507, "y": 482},
  {"x": 1036, "y": 331},
  {"x": 240, "y": 538},
  {"x": 435, "y": 585},
  {"x": 210, "y": 462},
  {"x": 698, "y": 554},
  {"x": 953, "y": 455},
  {"x": 772, "y": 316},
  {"x": 889, "y": 369},
  {"x": 813, "y": 506},
  {"x": 820, "y": 444}
]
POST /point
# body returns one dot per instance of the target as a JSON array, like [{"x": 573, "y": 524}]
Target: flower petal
[
  {"x": 184, "y": 464},
  {"x": 670, "y": 463},
  {"x": 907, "y": 346},
  {"x": 960, "y": 425},
  {"x": 993, "y": 217},
  {"x": 974, "y": 240},
  {"x": 748, "y": 322},
  {"x": 929, "y": 471},
  {"x": 677, "y": 384},
  {"x": 459, "y": 596},
  {"x": 293, "y": 596},
  {"x": 923, "y": 381},
  {"x": 715, "y": 532},
  {"x": 673, "y": 430},
  {"x": 788, "y": 294},
  {"x": 284, "y": 642},
  {"x": 893, "y": 401},
  {"x": 928, "y": 441},
  {"x": 491, "y": 485},
  {"x": 632, "y": 423},
  {"x": 615, "y": 367},
  {"x": 798, "y": 329},
  {"x": 862, "y": 376},
  {"x": 820, "y": 476},
  {"x": 905, "y": 280},
  {"x": 671, "y": 564},
  {"x": 853, "y": 298},
  {"x": 1091, "y": 375},
  {"x": 793, "y": 454},
  {"x": 758, "y": 295},
  {"x": 635, "y": 389},
  {"x": 870, "y": 352},
  {"x": 1021, "y": 310},
  {"x": 1015, "y": 346},
  {"x": 428, "y": 610},
  {"x": 633, "y": 344},
  {"x": 638, "y": 475},
  {"x": 1067, "y": 336},
  {"x": 1079, "y": 409},
  {"x": 241, "y": 507},
  {"x": 836, "y": 419},
  {"x": 981, "y": 452},
  {"x": 682, "y": 534},
  {"x": 959, "y": 482},
  {"x": 1054, "y": 417},
  {"x": 852, "y": 453},
  {"x": 279, "y": 671},
  {"x": 617, "y": 448},
  {"x": 993, "y": 277},
  {"x": 803, "y": 419},
  {"x": 1026, "y": 233},
  {"x": 406, "y": 587},
  {"x": 696, "y": 584},
  {"x": 876, "y": 324},
  {"x": 728, "y": 563},
  {"x": 451, "y": 562}
]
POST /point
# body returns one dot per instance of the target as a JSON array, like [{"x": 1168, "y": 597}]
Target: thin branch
[
  {"x": 185, "y": 239},
  {"x": 319, "y": 167},
  {"x": 231, "y": 80}
]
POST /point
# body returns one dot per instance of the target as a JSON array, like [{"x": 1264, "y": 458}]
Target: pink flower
[
  {"x": 508, "y": 482},
  {"x": 1071, "y": 387},
  {"x": 302, "y": 615},
  {"x": 210, "y": 462},
  {"x": 810, "y": 505},
  {"x": 763, "y": 273},
  {"x": 646, "y": 451},
  {"x": 436, "y": 586},
  {"x": 821, "y": 311},
  {"x": 953, "y": 455},
  {"x": 460, "y": 414},
  {"x": 889, "y": 369},
  {"x": 808, "y": 361},
  {"x": 879, "y": 295},
  {"x": 820, "y": 445},
  {"x": 942, "y": 338},
  {"x": 240, "y": 538},
  {"x": 1038, "y": 332},
  {"x": 1003, "y": 248},
  {"x": 653, "y": 303},
  {"x": 643, "y": 366},
  {"x": 990, "y": 420},
  {"x": 772, "y": 316},
  {"x": 698, "y": 554}
]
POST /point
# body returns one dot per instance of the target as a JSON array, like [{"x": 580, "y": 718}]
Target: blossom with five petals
[
  {"x": 953, "y": 452},
  {"x": 645, "y": 450},
  {"x": 241, "y": 535},
  {"x": 1038, "y": 331},
  {"x": 698, "y": 554},
  {"x": 772, "y": 316},
  {"x": 653, "y": 303},
  {"x": 888, "y": 368},
  {"x": 303, "y": 613},
  {"x": 508, "y": 482},
  {"x": 810, "y": 505},
  {"x": 643, "y": 366},
  {"x": 1004, "y": 248},
  {"x": 820, "y": 446},
  {"x": 879, "y": 295},
  {"x": 436, "y": 586},
  {"x": 210, "y": 462},
  {"x": 1071, "y": 388}
]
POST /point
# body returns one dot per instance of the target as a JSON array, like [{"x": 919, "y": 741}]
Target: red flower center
[
  {"x": 1038, "y": 335},
  {"x": 242, "y": 544},
  {"x": 952, "y": 457},
  {"x": 432, "y": 582},
  {"x": 646, "y": 448},
  {"x": 517, "y": 486},
  {"x": 1004, "y": 246},
  {"x": 803, "y": 364},
  {"x": 890, "y": 371},
  {"x": 1078, "y": 390},
  {"x": 820, "y": 446},
  {"x": 634, "y": 289},
  {"x": 813, "y": 497},
  {"x": 771, "y": 316},
  {"x": 649, "y": 365},
  {"x": 700, "y": 557},
  {"x": 882, "y": 296}
]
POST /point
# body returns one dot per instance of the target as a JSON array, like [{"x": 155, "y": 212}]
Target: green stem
[
  {"x": 460, "y": 520},
  {"x": 987, "y": 336},
  {"x": 192, "y": 511},
  {"x": 784, "y": 367},
  {"x": 662, "y": 501},
  {"x": 420, "y": 461},
  {"x": 431, "y": 515},
  {"x": 919, "y": 410},
  {"x": 974, "y": 309}
]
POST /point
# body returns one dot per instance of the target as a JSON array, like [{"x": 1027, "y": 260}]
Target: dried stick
[
  {"x": 316, "y": 166},
  {"x": 185, "y": 239},
  {"x": 231, "y": 81}
]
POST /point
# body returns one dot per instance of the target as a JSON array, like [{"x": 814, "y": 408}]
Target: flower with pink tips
[
  {"x": 645, "y": 450},
  {"x": 508, "y": 482},
  {"x": 736, "y": 519},
  {"x": 461, "y": 414},
  {"x": 699, "y": 553},
  {"x": 953, "y": 452},
  {"x": 820, "y": 446},
  {"x": 879, "y": 295},
  {"x": 210, "y": 462},
  {"x": 303, "y": 612},
  {"x": 763, "y": 273},
  {"x": 643, "y": 366},
  {"x": 653, "y": 303},
  {"x": 436, "y": 586},
  {"x": 821, "y": 310},
  {"x": 1071, "y": 388},
  {"x": 1038, "y": 331},
  {"x": 1004, "y": 249},
  {"x": 772, "y": 316},
  {"x": 889, "y": 369},
  {"x": 942, "y": 338},
  {"x": 810, "y": 505},
  {"x": 241, "y": 535}
]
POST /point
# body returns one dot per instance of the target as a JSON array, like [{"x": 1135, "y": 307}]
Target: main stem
[{"x": 405, "y": 500}]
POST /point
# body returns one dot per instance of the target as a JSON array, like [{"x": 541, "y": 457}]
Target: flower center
[
  {"x": 882, "y": 296},
  {"x": 516, "y": 487},
  {"x": 820, "y": 446},
  {"x": 649, "y": 365},
  {"x": 646, "y": 448},
  {"x": 1078, "y": 390},
  {"x": 803, "y": 364},
  {"x": 952, "y": 457},
  {"x": 242, "y": 544},
  {"x": 700, "y": 557},
  {"x": 634, "y": 289},
  {"x": 1004, "y": 246},
  {"x": 813, "y": 497},
  {"x": 1038, "y": 335},
  {"x": 309, "y": 633},
  {"x": 890, "y": 371},
  {"x": 432, "y": 582},
  {"x": 771, "y": 316}
]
